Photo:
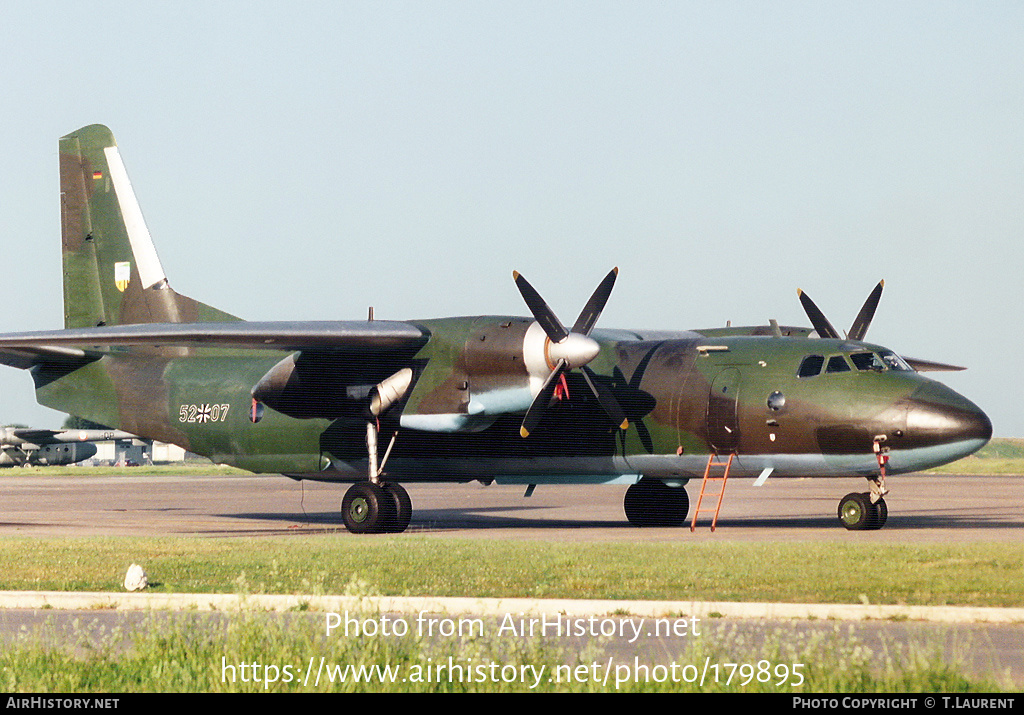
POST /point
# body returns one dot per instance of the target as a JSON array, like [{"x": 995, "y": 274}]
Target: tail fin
[{"x": 112, "y": 274}]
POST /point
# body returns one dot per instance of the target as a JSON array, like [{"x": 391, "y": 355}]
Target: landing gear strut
[{"x": 651, "y": 502}]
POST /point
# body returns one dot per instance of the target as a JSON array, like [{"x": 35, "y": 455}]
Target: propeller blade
[
  {"x": 542, "y": 400},
  {"x": 818, "y": 319},
  {"x": 541, "y": 312},
  {"x": 860, "y": 324},
  {"x": 645, "y": 436},
  {"x": 592, "y": 310},
  {"x": 607, "y": 400},
  {"x": 929, "y": 366}
]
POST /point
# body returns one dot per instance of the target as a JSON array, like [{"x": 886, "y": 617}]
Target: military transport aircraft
[
  {"x": 493, "y": 398},
  {"x": 24, "y": 446}
]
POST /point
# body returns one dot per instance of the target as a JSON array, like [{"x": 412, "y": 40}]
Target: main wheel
[
  {"x": 402, "y": 513},
  {"x": 858, "y": 513},
  {"x": 366, "y": 509},
  {"x": 634, "y": 502},
  {"x": 651, "y": 502},
  {"x": 881, "y": 514}
]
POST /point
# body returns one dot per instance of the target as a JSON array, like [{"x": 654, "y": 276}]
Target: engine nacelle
[{"x": 304, "y": 387}]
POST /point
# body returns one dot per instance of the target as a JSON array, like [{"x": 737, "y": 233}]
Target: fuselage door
[{"x": 723, "y": 401}]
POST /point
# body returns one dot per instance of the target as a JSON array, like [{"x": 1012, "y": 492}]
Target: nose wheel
[{"x": 858, "y": 513}]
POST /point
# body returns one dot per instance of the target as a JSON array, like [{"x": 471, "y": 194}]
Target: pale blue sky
[{"x": 304, "y": 160}]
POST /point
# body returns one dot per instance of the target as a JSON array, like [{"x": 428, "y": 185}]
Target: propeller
[
  {"x": 860, "y": 324},
  {"x": 564, "y": 350},
  {"x": 867, "y": 311},
  {"x": 860, "y": 328}
]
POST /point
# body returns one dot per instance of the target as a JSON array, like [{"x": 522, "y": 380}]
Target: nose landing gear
[
  {"x": 858, "y": 513},
  {"x": 863, "y": 511}
]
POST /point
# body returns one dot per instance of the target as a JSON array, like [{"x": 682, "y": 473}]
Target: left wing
[{"x": 24, "y": 350}]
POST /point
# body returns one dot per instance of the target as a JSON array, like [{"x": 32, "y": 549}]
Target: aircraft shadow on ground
[
  {"x": 898, "y": 521},
  {"x": 428, "y": 519},
  {"x": 499, "y": 518}
]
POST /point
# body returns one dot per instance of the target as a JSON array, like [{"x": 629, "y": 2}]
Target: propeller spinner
[{"x": 562, "y": 350}]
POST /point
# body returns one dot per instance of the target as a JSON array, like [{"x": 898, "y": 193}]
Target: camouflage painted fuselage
[
  {"x": 296, "y": 398},
  {"x": 461, "y": 417}
]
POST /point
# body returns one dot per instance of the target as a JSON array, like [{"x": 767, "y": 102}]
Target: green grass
[
  {"x": 1002, "y": 447},
  {"x": 189, "y": 654},
  {"x": 973, "y": 574}
]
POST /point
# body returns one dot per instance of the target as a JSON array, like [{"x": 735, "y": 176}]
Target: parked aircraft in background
[{"x": 24, "y": 446}]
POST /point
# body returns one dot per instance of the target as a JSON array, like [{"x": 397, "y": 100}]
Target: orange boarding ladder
[{"x": 712, "y": 462}]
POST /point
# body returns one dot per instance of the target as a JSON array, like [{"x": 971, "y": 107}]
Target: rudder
[{"x": 112, "y": 274}]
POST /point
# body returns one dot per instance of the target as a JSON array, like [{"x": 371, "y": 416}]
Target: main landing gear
[
  {"x": 651, "y": 502},
  {"x": 376, "y": 508},
  {"x": 373, "y": 506}
]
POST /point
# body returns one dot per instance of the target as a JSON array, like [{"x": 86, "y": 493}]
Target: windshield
[
  {"x": 813, "y": 365},
  {"x": 867, "y": 361},
  {"x": 894, "y": 361}
]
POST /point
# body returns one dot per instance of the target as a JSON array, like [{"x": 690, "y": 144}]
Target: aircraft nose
[{"x": 939, "y": 416}]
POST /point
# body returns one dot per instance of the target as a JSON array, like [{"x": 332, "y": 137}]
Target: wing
[
  {"x": 84, "y": 344},
  {"x": 930, "y": 366}
]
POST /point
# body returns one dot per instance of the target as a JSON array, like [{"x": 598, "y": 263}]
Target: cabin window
[
  {"x": 776, "y": 401},
  {"x": 837, "y": 363},
  {"x": 811, "y": 366}
]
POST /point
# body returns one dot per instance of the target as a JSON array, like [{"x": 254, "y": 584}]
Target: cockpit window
[
  {"x": 837, "y": 363},
  {"x": 810, "y": 366},
  {"x": 894, "y": 361},
  {"x": 867, "y": 361}
]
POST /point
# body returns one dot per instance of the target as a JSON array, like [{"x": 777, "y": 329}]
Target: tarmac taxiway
[{"x": 922, "y": 509}]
